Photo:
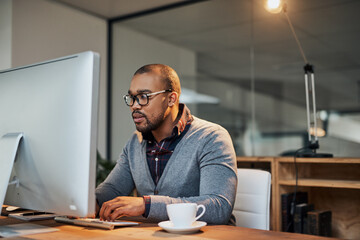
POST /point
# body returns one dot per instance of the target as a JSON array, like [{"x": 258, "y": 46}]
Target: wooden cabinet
[{"x": 332, "y": 184}]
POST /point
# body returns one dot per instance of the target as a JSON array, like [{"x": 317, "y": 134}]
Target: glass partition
[{"x": 240, "y": 67}]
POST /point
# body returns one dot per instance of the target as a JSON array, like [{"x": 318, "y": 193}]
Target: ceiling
[
  {"x": 223, "y": 32},
  {"x": 109, "y": 9}
]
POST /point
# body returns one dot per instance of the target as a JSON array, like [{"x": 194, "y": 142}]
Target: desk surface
[{"x": 152, "y": 231}]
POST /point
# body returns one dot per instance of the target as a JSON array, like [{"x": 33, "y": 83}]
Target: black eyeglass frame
[{"x": 135, "y": 97}]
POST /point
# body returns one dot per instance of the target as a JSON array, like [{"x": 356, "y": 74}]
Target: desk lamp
[{"x": 277, "y": 6}]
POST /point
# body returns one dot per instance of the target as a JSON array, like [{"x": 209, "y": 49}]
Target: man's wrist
[{"x": 147, "y": 201}]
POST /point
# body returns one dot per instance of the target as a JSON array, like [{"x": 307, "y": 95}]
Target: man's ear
[{"x": 173, "y": 97}]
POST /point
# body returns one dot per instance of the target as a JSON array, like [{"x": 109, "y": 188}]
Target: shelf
[
  {"x": 322, "y": 183},
  {"x": 254, "y": 159},
  {"x": 340, "y": 195},
  {"x": 320, "y": 160}
]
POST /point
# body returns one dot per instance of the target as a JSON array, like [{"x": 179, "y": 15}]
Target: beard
[{"x": 150, "y": 125}]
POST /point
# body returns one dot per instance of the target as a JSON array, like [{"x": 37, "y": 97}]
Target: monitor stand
[{"x": 9, "y": 144}]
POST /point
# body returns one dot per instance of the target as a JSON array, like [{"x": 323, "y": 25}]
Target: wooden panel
[
  {"x": 319, "y": 160},
  {"x": 287, "y": 171},
  {"x": 348, "y": 171},
  {"x": 322, "y": 183},
  {"x": 254, "y": 159},
  {"x": 345, "y": 207},
  {"x": 256, "y": 165}
]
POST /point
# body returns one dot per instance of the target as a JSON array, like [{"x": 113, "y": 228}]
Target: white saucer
[{"x": 169, "y": 227}]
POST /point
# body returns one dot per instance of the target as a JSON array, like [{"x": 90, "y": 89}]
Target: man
[{"x": 173, "y": 157}]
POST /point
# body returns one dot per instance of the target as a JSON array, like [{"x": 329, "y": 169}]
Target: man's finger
[
  {"x": 118, "y": 212},
  {"x": 108, "y": 208}
]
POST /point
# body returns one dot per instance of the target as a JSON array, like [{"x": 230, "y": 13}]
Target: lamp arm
[
  {"x": 309, "y": 71},
  {"x": 294, "y": 34},
  {"x": 307, "y": 105},
  {"x": 314, "y": 105}
]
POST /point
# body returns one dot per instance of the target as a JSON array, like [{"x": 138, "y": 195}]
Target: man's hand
[{"x": 122, "y": 206}]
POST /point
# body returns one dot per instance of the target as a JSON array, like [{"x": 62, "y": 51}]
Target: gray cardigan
[{"x": 202, "y": 169}]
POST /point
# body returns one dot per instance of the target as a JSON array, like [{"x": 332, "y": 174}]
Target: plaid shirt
[{"x": 158, "y": 154}]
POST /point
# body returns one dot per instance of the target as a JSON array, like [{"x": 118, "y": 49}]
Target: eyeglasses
[{"x": 141, "y": 98}]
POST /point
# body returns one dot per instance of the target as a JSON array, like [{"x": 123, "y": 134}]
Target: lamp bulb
[{"x": 273, "y": 6}]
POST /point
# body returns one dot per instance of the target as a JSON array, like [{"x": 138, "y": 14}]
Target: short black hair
[{"x": 168, "y": 74}]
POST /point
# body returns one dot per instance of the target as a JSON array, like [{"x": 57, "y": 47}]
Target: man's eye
[{"x": 143, "y": 97}]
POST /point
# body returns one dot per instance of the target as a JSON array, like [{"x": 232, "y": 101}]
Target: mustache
[{"x": 138, "y": 112}]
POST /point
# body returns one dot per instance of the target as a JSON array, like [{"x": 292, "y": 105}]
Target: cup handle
[{"x": 202, "y": 213}]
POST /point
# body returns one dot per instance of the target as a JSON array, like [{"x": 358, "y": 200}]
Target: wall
[
  {"x": 43, "y": 30},
  {"x": 5, "y": 33},
  {"x": 132, "y": 50}
]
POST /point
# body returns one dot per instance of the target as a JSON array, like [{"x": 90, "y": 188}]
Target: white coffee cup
[{"x": 184, "y": 214}]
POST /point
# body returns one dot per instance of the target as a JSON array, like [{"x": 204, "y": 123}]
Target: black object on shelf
[
  {"x": 286, "y": 212},
  {"x": 300, "y": 217},
  {"x": 319, "y": 223}
]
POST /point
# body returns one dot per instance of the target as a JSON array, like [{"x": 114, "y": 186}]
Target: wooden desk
[{"x": 152, "y": 231}]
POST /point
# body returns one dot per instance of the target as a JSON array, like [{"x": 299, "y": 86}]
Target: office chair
[{"x": 252, "y": 204}]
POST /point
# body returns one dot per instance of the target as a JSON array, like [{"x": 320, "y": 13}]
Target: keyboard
[{"x": 95, "y": 222}]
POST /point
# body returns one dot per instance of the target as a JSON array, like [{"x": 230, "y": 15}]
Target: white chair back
[{"x": 252, "y": 204}]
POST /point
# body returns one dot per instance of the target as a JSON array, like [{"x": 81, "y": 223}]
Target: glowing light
[
  {"x": 273, "y": 6},
  {"x": 320, "y": 132}
]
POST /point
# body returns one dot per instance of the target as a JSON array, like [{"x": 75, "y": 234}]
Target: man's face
[{"x": 150, "y": 117}]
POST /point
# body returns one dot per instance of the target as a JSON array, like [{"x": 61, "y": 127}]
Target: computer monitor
[{"x": 54, "y": 105}]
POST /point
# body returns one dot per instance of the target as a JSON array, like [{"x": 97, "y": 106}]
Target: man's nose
[{"x": 136, "y": 105}]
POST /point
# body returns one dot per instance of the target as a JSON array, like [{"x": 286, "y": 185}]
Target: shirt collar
[{"x": 185, "y": 119}]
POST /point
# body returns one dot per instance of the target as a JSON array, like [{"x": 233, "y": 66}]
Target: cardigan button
[{"x": 156, "y": 192}]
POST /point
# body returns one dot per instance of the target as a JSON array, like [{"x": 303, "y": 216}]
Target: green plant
[{"x": 103, "y": 168}]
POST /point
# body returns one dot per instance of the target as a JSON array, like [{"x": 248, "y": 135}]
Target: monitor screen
[{"x": 54, "y": 104}]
